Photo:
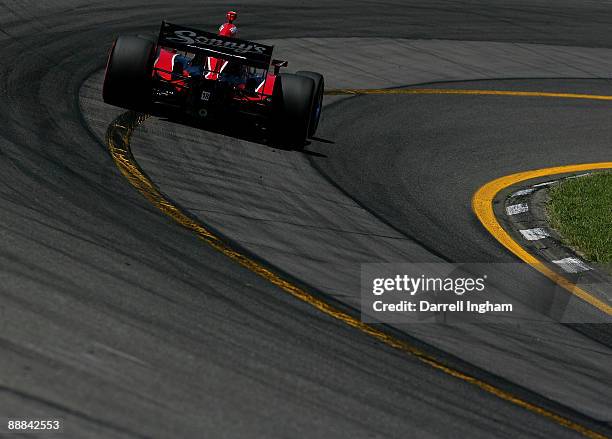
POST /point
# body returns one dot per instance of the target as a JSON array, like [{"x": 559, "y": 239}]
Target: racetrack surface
[
  {"x": 421, "y": 170},
  {"x": 295, "y": 220},
  {"x": 125, "y": 325},
  {"x": 450, "y": 145}
]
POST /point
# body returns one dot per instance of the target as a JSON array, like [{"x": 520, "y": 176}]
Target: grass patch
[{"x": 581, "y": 211}]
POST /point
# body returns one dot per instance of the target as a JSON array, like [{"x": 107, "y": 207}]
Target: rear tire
[
  {"x": 293, "y": 107},
  {"x": 127, "y": 82},
  {"x": 317, "y": 103}
]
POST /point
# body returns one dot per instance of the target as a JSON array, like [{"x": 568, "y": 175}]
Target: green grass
[{"x": 581, "y": 211}]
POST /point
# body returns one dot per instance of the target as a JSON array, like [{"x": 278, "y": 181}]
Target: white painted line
[
  {"x": 579, "y": 175},
  {"x": 517, "y": 208},
  {"x": 572, "y": 265},
  {"x": 522, "y": 192},
  {"x": 534, "y": 234},
  {"x": 548, "y": 183}
]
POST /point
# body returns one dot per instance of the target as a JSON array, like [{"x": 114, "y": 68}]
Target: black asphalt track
[
  {"x": 124, "y": 325},
  {"x": 422, "y": 167}
]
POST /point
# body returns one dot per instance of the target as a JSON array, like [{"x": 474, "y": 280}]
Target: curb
[{"x": 521, "y": 211}]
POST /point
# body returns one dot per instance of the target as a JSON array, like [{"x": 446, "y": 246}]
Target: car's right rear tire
[
  {"x": 293, "y": 108},
  {"x": 317, "y": 101},
  {"x": 127, "y": 82}
]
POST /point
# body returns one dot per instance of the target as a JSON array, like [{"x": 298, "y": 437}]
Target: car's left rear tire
[{"x": 127, "y": 82}]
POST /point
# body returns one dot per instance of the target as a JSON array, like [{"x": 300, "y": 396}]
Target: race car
[{"x": 214, "y": 77}]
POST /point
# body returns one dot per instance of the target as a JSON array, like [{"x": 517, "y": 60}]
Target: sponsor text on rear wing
[{"x": 232, "y": 49}]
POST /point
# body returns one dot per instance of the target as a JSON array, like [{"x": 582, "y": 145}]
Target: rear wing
[{"x": 210, "y": 44}]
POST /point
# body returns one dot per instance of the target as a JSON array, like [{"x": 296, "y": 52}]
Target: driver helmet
[{"x": 229, "y": 29}]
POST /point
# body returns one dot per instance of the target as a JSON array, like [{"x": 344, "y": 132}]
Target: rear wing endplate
[{"x": 232, "y": 49}]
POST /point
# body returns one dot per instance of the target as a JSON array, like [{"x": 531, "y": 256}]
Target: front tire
[{"x": 127, "y": 82}]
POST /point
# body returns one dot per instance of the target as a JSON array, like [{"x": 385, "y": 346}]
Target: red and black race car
[{"x": 214, "y": 77}]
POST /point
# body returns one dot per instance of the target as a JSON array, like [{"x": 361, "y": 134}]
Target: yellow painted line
[
  {"x": 118, "y": 143},
  {"x": 482, "y": 204},
  {"x": 450, "y": 91}
]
